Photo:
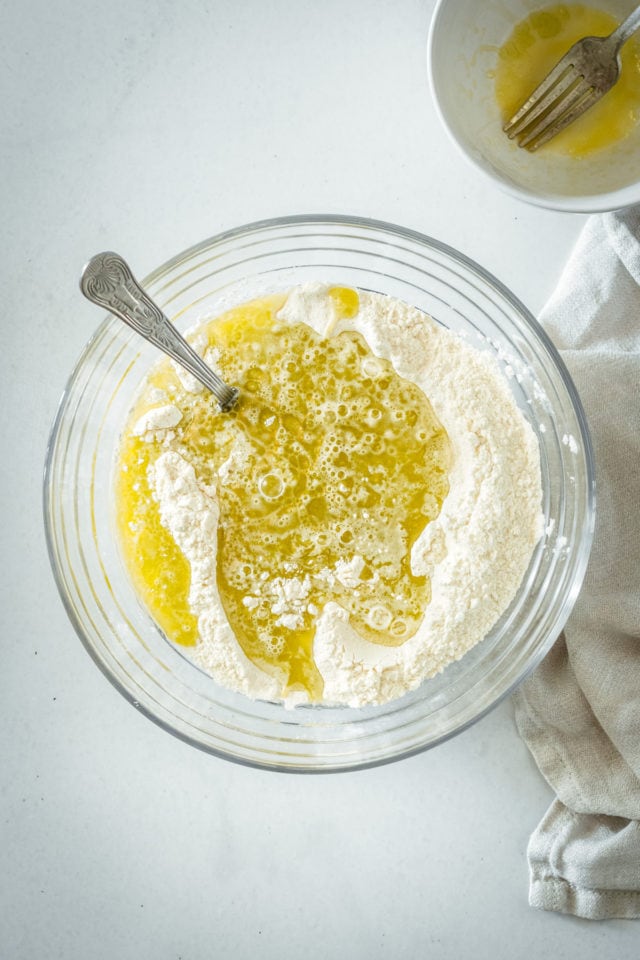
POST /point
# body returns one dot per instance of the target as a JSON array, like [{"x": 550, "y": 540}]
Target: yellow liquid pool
[
  {"x": 537, "y": 43},
  {"x": 336, "y": 457}
]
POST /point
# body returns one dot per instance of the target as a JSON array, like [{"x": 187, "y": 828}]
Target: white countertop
[{"x": 145, "y": 127}]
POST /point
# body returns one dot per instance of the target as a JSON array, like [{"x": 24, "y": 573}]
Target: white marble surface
[{"x": 145, "y": 127}]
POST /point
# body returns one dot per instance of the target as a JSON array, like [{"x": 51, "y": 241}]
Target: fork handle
[{"x": 629, "y": 26}]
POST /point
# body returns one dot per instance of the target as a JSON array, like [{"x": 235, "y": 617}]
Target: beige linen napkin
[{"x": 579, "y": 713}]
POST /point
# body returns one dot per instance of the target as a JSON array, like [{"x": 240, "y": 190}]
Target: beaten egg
[{"x": 534, "y": 47}]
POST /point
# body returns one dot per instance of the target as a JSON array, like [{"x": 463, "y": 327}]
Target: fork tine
[
  {"x": 558, "y": 92},
  {"x": 586, "y": 98},
  {"x": 572, "y": 96},
  {"x": 539, "y": 101},
  {"x": 554, "y": 77}
]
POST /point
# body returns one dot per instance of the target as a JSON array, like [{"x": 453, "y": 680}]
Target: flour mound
[
  {"x": 190, "y": 514},
  {"x": 475, "y": 553}
]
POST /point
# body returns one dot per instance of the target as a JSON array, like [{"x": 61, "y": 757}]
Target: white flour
[
  {"x": 475, "y": 553},
  {"x": 154, "y": 424}
]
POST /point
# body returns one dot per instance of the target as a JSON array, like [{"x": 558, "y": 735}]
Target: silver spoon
[{"x": 108, "y": 281}]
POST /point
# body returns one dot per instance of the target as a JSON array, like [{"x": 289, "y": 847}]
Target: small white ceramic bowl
[{"x": 463, "y": 42}]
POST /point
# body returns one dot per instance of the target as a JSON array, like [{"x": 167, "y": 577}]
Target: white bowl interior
[{"x": 464, "y": 40}]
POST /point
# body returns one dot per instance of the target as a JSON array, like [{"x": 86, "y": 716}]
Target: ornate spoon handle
[{"x": 108, "y": 281}]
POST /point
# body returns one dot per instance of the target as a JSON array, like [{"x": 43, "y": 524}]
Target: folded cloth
[{"x": 579, "y": 712}]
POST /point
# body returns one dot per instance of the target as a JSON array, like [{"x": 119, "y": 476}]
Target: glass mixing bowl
[{"x": 117, "y": 630}]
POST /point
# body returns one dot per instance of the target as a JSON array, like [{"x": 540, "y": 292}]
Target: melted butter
[
  {"x": 328, "y": 456},
  {"x": 159, "y": 571},
  {"x": 345, "y": 300},
  {"x": 537, "y": 43}
]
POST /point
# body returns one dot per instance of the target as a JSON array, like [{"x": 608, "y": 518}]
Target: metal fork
[{"x": 586, "y": 72}]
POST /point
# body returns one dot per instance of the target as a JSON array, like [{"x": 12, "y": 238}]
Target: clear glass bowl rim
[{"x": 393, "y": 230}]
